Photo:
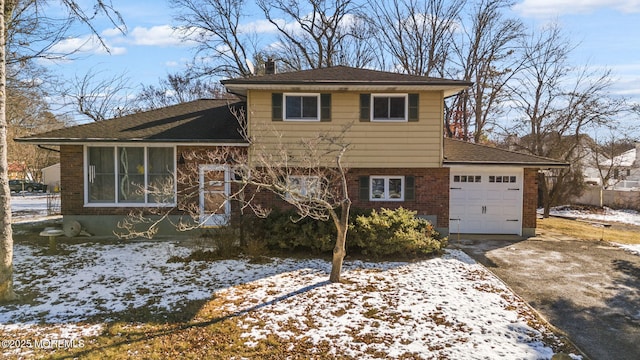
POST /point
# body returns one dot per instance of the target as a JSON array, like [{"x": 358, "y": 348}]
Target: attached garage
[
  {"x": 491, "y": 190},
  {"x": 485, "y": 200}
]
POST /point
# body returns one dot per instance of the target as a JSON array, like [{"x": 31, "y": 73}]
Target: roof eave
[
  {"x": 448, "y": 89},
  {"x": 554, "y": 165},
  {"x": 77, "y": 141}
]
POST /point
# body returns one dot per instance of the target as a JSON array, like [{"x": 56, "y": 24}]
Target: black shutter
[
  {"x": 325, "y": 107},
  {"x": 413, "y": 107},
  {"x": 364, "y": 188},
  {"x": 276, "y": 106},
  {"x": 365, "y": 107},
  {"x": 409, "y": 188}
]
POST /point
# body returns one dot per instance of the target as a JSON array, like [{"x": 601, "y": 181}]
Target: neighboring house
[
  {"x": 625, "y": 170},
  {"x": 398, "y": 156},
  {"x": 17, "y": 170},
  {"x": 51, "y": 177}
]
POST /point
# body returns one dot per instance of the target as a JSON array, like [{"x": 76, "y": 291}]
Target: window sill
[{"x": 128, "y": 205}]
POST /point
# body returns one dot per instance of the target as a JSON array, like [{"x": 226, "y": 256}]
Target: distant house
[
  {"x": 621, "y": 172},
  {"x": 398, "y": 156},
  {"x": 17, "y": 170},
  {"x": 51, "y": 177},
  {"x": 626, "y": 170}
]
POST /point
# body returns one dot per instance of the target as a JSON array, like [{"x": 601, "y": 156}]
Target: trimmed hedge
[
  {"x": 372, "y": 233},
  {"x": 395, "y": 233}
]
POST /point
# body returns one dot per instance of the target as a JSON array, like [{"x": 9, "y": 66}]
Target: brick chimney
[{"x": 270, "y": 67}]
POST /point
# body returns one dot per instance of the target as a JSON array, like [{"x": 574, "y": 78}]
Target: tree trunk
[
  {"x": 6, "y": 236},
  {"x": 340, "y": 250},
  {"x": 544, "y": 191}
]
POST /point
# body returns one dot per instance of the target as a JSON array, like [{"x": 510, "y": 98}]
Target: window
[
  {"x": 389, "y": 107},
  {"x": 502, "y": 179},
  {"x": 302, "y": 107},
  {"x": 467, "y": 178},
  {"x": 130, "y": 175},
  {"x": 386, "y": 188},
  {"x": 300, "y": 187}
]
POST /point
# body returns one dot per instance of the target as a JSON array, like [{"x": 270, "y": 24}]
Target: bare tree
[
  {"x": 27, "y": 113},
  {"x": 101, "y": 7},
  {"x": 555, "y": 105},
  {"x": 417, "y": 35},
  {"x": 99, "y": 98},
  {"x": 485, "y": 55},
  {"x": 178, "y": 88},
  {"x": 223, "y": 44},
  {"x": 309, "y": 176},
  {"x": 314, "y": 33}
]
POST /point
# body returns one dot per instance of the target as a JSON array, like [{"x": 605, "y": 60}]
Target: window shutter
[
  {"x": 365, "y": 107},
  {"x": 325, "y": 107},
  {"x": 409, "y": 188},
  {"x": 364, "y": 188},
  {"x": 413, "y": 107},
  {"x": 276, "y": 106}
]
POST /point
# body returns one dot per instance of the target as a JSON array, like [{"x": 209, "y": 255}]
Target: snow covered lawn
[{"x": 448, "y": 307}]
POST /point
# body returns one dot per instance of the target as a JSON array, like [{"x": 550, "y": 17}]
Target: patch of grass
[{"x": 587, "y": 231}]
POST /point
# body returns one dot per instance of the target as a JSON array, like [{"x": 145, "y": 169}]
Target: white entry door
[
  {"x": 485, "y": 201},
  {"x": 215, "y": 188}
]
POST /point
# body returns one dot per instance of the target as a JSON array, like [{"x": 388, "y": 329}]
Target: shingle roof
[
  {"x": 195, "y": 121},
  {"x": 344, "y": 76},
  {"x": 465, "y": 153}
]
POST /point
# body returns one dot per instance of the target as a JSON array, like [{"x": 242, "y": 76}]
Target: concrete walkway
[{"x": 588, "y": 289}]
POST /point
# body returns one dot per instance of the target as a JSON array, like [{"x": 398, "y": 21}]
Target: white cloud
[
  {"x": 163, "y": 35},
  {"x": 259, "y": 27},
  {"x": 87, "y": 45},
  {"x": 544, "y": 8}
]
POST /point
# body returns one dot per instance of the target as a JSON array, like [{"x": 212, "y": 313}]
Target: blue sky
[{"x": 605, "y": 31}]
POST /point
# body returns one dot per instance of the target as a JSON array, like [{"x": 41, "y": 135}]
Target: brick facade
[
  {"x": 431, "y": 192},
  {"x": 530, "y": 198},
  {"x": 431, "y": 189}
]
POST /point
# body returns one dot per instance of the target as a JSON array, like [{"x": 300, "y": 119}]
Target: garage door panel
[
  {"x": 457, "y": 195},
  {"x": 494, "y": 195},
  {"x": 491, "y": 204}
]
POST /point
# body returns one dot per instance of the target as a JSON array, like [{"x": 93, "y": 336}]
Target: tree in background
[
  {"x": 27, "y": 113},
  {"x": 314, "y": 32},
  {"x": 416, "y": 36},
  {"x": 11, "y": 48},
  {"x": 97, "y": 97},
  {"x": 178, "y": 88},
  {"x": 484, "y": 53},
  {"x": 555, "y": 105},
  {"x": 223, "y": 44}
]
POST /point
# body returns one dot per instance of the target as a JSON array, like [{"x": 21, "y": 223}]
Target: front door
[{"x": 215, "y": 187}]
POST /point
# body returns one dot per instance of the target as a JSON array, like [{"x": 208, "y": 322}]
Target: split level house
[{"x": 397, "y": 155}]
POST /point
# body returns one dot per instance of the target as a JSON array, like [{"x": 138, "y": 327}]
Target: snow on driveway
[{"x": 448, "y": 307}]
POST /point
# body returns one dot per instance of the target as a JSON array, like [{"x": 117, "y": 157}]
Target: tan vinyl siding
[{"x": 373, "y": 144}]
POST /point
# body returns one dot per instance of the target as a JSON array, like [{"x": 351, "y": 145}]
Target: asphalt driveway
[{"x": 588, "y": 289}]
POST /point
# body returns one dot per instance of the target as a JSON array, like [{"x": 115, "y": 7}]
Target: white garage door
[{"x": 484, "y": 201}]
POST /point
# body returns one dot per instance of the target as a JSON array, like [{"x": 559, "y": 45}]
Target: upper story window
[
  {"x": 389, "y": 107},
  {"x": 123, "y": 175},
  {"x": 302, "y": 107}
]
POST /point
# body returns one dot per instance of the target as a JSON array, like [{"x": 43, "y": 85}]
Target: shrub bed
[{"x": 397, "y": 233}]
